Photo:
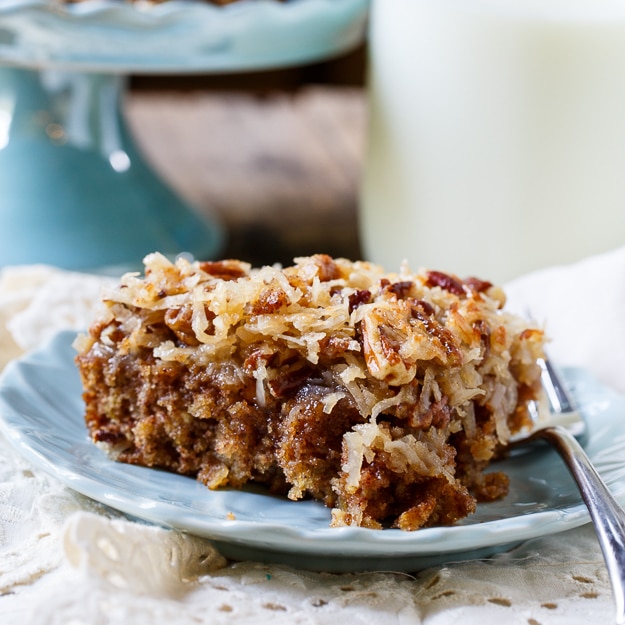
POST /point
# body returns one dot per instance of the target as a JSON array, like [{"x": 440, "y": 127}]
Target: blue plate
[{"x": 41, "y": 413}]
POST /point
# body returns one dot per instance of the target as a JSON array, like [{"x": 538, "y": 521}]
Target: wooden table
[{"x": 281, "y": 170}]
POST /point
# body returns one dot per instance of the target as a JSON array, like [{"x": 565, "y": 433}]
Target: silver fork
[{"x": 562, "y": 429}]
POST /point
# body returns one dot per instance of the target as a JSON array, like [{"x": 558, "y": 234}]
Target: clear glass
[{"x": 497, "y": 134}]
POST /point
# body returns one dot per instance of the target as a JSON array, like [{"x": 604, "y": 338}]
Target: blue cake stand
[{"x": 74, "y": 189}]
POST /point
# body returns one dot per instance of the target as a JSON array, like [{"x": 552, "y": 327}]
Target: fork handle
[{"x": 607, "y": 515}]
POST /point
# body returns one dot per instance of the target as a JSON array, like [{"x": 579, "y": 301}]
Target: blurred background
[
  {"x": 182, "y": 127},
  {"x": 448, "y": 134},
  {"x": 278, "y": 157}
]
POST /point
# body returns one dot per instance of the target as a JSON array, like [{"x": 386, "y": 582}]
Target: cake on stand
[{"x": 74, "y": 189}]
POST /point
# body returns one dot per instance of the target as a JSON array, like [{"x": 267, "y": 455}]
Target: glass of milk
[{"x": 497, "y": 134}]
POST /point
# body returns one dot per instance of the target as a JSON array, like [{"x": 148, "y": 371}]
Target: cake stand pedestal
[{"x": 75, "y": 190}]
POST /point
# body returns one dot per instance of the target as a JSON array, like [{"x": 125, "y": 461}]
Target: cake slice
[{"x": 384, "y": 396}]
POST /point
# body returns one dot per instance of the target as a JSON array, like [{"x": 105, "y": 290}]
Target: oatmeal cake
[{"x": 384, "y": 396}]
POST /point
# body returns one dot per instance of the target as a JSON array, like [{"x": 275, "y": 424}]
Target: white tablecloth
[{"x": 67, "y": 560}]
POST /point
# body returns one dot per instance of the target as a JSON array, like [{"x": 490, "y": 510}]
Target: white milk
[{"x": 497, "y": 134}]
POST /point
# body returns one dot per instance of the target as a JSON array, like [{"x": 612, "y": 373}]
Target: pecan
[
  {"x": 424, "y": 306},
  {"x": 445, "y": 281},
  {"x": 270, "y": 300},
  {"x": 328, "y": 269},
  {"x": 483, "y": 330},
  {"x": 179, "y": 321},
  {"x": 289, "y": 380},
  {"x": 259, "y": 356},
  {"x": 358, "y": 298},
  {"x": 333, "y": 346},
  {"x": 400, "y": 289},
  {"x": 381, "y": 343},
  {"x": 439, "y": 334},
  {"x": 476, "y": 285},
  {"x": 224, "y": 269}
]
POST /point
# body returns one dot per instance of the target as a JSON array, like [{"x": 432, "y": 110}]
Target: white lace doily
[{"x": 66, "y": 560}]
